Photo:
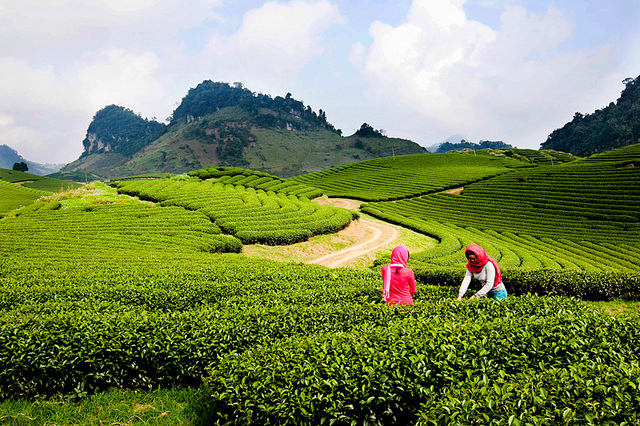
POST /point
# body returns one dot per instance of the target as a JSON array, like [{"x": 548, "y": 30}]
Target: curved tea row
[{"x": 253, "y": 216}]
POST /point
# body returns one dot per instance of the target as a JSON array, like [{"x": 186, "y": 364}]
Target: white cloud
[
  {"x": 5, "y": 120},
  {"x": 273, "y": 42},
  {"x": 56, "y": 30},
  {"x": 62, "y": 60},
  {"x": 120, "y": 77},
  {"x": 513, "y": 83},
  {"x": 357, "y": 54}
]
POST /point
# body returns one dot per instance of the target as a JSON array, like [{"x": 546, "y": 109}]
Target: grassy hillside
[
  {"x": 217, "y": 124},
  {"x": 41, "y": 183}
]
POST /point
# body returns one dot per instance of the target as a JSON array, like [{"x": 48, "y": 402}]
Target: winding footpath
[{"x": 382, "y": 235}]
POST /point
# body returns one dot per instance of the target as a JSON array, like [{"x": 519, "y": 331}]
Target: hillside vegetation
[
  {"x": 614, "y": 126},
  {"x": 9, "y": 156},
  {"x": 217, "y": 124},
  {"x": 100, "y": 291}
]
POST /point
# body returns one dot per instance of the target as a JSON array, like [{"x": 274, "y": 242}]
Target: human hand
[{"x": 459, "y": 298}]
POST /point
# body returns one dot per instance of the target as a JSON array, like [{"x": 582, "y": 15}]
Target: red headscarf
[{"x": 483, "y": 258}]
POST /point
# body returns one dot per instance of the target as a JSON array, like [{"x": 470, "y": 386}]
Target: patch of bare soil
[
  {"x": 455, "y": 191},
  {"x": 378, "y": 236},
  {"x": 381, "y": 235},
  {"x": 355, "y": 245}
]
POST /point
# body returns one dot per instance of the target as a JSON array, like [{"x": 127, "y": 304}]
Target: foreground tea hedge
[
  {"x": 524, "y": 361},
  {"x": 302, "y": 344}
]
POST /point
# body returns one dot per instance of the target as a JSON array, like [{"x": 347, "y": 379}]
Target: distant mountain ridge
[
  {"x": 614, "y": 126},
  {"x": 9, "y": 156},
  {"x": 218, "y": 124},
  {"x": 448, "y": 146}
]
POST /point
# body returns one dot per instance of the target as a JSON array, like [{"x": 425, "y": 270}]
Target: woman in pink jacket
[{"x": 398, "y": 281}]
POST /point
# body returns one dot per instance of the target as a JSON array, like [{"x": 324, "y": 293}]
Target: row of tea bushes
[
  {"x": 76, "y": 321},
  {"x": 257, "y": 180},
  {"x": 253, "y": 216},
  {"x": 13, "y": 196},
  {"x": 96, "y": 227},
  {"x": 582, "y": 201},
  {"x": 512, "y": 250},
  {"x": 165, "y": 318},
  {"x": 585, "y": 285}
]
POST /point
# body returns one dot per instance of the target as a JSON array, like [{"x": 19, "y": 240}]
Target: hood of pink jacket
[{"x": 400, "y": 255}]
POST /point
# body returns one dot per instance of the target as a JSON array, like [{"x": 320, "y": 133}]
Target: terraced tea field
[
  {"x": 108, "y": 292},
  {"x": 580, "y": 215},
  {"x": 406, "y": 176}
]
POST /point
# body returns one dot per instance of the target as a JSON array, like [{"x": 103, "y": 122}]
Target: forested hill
[
  {"x": 613, "y": 126},
  {"x": 218, "y": 124},
  {"x": 118, "y": 129},
  {"x": 209, "y": 97}
]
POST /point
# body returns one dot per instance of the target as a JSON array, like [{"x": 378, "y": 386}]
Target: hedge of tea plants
[
  {"x": 302, "y": 344},
  {"x": 579, "y": 200},
  {"x": 252, "y": 215},
  {"x": 45, "y": 226},
  {"x": 257, "y": 180},
  {"x": 528, "y": 360},
  {"x": 583, "y": 215}
]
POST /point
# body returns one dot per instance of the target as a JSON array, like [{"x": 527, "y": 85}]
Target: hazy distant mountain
[
  {"x": 451, "y": 139},
  {"x": 218, "y": 124},
  {"x": 9, "y": 156}
]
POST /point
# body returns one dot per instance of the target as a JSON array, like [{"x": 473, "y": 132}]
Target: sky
[{"x": 507, "y": 70}]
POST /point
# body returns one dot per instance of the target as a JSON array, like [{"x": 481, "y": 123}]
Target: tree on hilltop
[
  {"x": 20, "y": 167},
  {"x": 367, "y": 131}
]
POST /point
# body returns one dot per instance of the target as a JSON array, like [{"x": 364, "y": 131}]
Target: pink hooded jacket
[{"x": 398, "y": 281}]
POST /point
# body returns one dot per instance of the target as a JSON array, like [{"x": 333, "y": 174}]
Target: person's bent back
[{"x": 398, "y": 281}]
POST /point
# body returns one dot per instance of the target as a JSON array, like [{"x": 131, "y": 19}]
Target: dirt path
[{"x": 380, "y": 235}]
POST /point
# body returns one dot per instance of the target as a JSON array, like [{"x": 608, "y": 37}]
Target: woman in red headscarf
[
  {"x": 398, "y": 281},
  {"x": 486, "y": 270}
]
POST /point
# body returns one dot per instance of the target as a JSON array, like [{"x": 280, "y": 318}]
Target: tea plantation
[{"x": 111, "y": 292}]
